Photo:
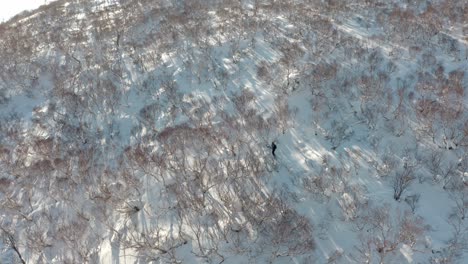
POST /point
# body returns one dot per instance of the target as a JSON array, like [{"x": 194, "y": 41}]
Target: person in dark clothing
[{"x": 273, "y": 149}]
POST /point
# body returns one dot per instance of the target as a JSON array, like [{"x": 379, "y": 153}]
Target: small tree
[
  {"x": 386, "y": 232},
  {"x": 401, "y": 181},
  {"x": 10, "y": 242},
  {"x": 412, "y": 201}
]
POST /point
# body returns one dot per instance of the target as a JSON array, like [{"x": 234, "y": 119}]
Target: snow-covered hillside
[{"x": 141, "y": 131}]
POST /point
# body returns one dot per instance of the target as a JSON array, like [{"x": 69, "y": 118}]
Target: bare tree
[
  {"x": 11, "y": 242},
  {"x": 403, "y": 178},
  {"x": 412, "y": 201},
  {"x": 387, "y": 231}
]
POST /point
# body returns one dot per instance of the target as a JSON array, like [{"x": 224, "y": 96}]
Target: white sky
[{"x": 9, "y": 8}]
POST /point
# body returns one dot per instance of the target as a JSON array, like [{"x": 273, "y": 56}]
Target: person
[{"x": 273, "y": 149}]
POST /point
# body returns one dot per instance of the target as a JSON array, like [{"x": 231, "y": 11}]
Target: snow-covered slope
[{"x": 141, "y": 131}]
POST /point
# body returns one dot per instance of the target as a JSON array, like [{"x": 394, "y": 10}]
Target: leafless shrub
[
  {"x": 352, "y": 202},
  {"x": 460, "y": 197},
  {"x": 403, "y": 178},
  {"x": 10, "y": 241},
  {"x": 263, "y": 72},
  {"x": 292, "y": 52},
  {"x": 244, "y": 100},
  {"x": 325, "y": 71},
  {"x": 153, "y": 245},
  {"x": 433, "y": 162},
  {"x": 288, "y": 232},
  {"x": 282, "y": 113},
  {"x": 338, "y": 132},
  {"x": 317, "y": 185},
  {"x": 335, "y": 256},
  {"x": 389, "y": 164},
  {"x": 370, "y": 114},
  {"x": 386, "y": 233},
  {"x": 414, "y": 51},
  {"x": 457, "y": 244},
  {"x": 412, "y": 201},
  {"x": 447, "y": 174}
]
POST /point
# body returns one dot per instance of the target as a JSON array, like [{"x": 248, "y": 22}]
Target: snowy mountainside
[{"x": 138, "y": 131}]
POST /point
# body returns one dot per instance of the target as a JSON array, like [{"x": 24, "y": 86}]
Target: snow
[
  {"x": 336, "y": 163},
  {"x": 8, "y": 9}
]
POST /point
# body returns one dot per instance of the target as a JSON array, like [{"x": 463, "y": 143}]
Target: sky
[{"x": 9, "y": 8}]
